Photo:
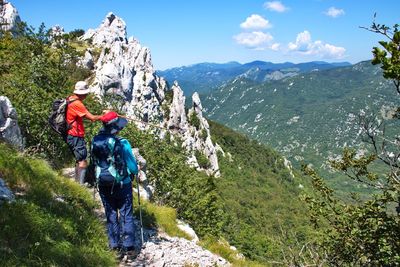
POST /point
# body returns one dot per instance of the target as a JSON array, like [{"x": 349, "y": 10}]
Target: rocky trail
[{"x": 160, "y": 249}]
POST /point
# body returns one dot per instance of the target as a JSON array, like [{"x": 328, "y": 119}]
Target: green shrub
[
  {"x": 202, "y": 160},
  {"x": 33, "y": 75},
  {"x": 194, "y": 120},
  {"x": 191, "y": 193}
]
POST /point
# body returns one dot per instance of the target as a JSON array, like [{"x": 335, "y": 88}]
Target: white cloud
[
  {"x": 275, "y": 6},
  {"x": 334, "y": 12},
  {"x": 275, "y": 46},
  {"x": 305, "y": 46},
  {"x": 255, "y": 40},
  {"x": 255, "y": 22}
]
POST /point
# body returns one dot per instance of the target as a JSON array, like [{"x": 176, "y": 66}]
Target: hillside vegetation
[
  {"x": 254, "y": 205},
  {"x": 52, "y": 222},
  {"x": 265, "y": 217},
  {"x": 309, "y": 118}
]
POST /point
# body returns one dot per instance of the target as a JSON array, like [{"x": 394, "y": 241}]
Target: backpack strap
[{"x": 69, "y": 125}]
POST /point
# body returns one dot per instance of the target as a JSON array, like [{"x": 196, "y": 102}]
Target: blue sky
[{"x": 182, "y": 32}]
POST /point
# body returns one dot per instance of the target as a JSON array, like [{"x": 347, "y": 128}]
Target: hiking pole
[{"x": 140, "y": 209}]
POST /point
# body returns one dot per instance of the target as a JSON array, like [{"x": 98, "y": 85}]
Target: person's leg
[
  {"x": 111, "y": 211},
  {"x": 82, "y": 167},
  {"x": 78, "y": 147},
  {"x": 126, "y": 217}
]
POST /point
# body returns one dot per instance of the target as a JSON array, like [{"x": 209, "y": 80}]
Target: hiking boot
[{"x": 129, "y": 255}]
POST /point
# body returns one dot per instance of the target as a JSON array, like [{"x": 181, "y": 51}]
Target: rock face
[
  {"x": 124, "y": 72},
  {"x": 5, "y": 194},
  {"x": 9, "y": 17},
  {"x": 145, "y": 189},
  {"x": 9, "y": 129},
  {"x": 198, "y": 138}
]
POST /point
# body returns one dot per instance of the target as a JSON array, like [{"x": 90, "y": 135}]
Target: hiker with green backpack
[{"x": 114, "y": 163}]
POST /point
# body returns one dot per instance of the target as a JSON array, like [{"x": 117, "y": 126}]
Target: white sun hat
[{"x": 81, "y": 88}]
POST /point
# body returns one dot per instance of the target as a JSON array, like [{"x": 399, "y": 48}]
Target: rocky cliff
[
  {"x": 9, "y": 17},
  {"x": 123, "y": 70}
]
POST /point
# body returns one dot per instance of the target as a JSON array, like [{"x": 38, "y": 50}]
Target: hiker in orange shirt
[{"x": 76, "y": 111}]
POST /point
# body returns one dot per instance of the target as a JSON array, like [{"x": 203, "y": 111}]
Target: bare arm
[{"x": 92, "y": 117}]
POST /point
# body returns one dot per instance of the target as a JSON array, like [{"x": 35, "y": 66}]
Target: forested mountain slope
[{"x": 309, "y": 118}]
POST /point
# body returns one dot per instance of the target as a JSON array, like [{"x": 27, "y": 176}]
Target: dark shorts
[{"x": 78, "y": 147}]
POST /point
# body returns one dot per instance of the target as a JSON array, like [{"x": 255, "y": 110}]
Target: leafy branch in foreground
[{"x": 364, "y": 230}]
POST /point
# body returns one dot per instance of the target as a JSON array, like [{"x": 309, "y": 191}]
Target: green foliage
[
  {"x": 191, "y": 193},
  {"x": 52, "y": 222},
  {"x": 203, "y": 134},
  {"x": 261, "y": 199},
  {"x": 363, "y": 233},
  {"x": 75, "y": 34},
  {"x": 389, "y": 57},
  {"x": 160, "y": 217},
  {"x": 202, "y": 160},
  {"x": 365, "y": 230},
  {"x": 194, "y": 120},
  {"x": 33, "y": 75},
  {"x": 166, "y": 105},
  {"x": 222, "y": 248}
]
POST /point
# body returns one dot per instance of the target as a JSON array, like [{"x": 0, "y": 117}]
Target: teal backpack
[{"x": 107, "y": 157}]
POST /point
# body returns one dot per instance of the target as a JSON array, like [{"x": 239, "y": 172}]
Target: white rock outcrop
[
  {"x": 177, "y": 120},
  {"x": 9, "y": 17},
  {"x": 124, "y": 71},
  {"x": 188, "y": 230},
  {"x": 9, "y": 129},
  {"x": 5, "y": 193},
  {"x": 198, "y": 138},
  {"x": 146, "y": 190}
]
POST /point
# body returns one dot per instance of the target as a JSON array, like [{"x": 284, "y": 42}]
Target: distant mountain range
[
  {"x": 203, "y": 77},
  {"x": 308, "y": 117}
]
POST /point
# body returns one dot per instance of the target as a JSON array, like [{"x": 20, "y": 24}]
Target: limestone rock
[
  {"x": 146, "y": 190},
  {"x": 124, "y": 72},
  {"x": 9, "y": 129},
  {"x": 9, "y": 17},
  {"x": 112, "y": 29},
  {"x": 188, "y": 230},
  {"x": 87, "y": 61},
  {"x": 5, "y": 193},
  {"x": 177, "y": 120},
  {"x": 198, "y": 138},
  {"x": 162, "y": 250}
]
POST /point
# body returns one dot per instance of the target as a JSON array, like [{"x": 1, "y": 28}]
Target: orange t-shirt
[{"x": 75, "y": 113}]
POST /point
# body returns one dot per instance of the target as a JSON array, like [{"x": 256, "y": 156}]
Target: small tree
[{"x": 365, "y": 231}]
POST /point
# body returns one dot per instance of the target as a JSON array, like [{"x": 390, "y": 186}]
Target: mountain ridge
[{"x": 204, "y": 77}]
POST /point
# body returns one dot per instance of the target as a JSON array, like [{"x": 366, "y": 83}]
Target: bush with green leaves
[
  {"x": 365, "y": 230},
  {"x": 177, "y": 185},
  {"x": 194, "y": 120},
  {"x": 34, "y": 73}
]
